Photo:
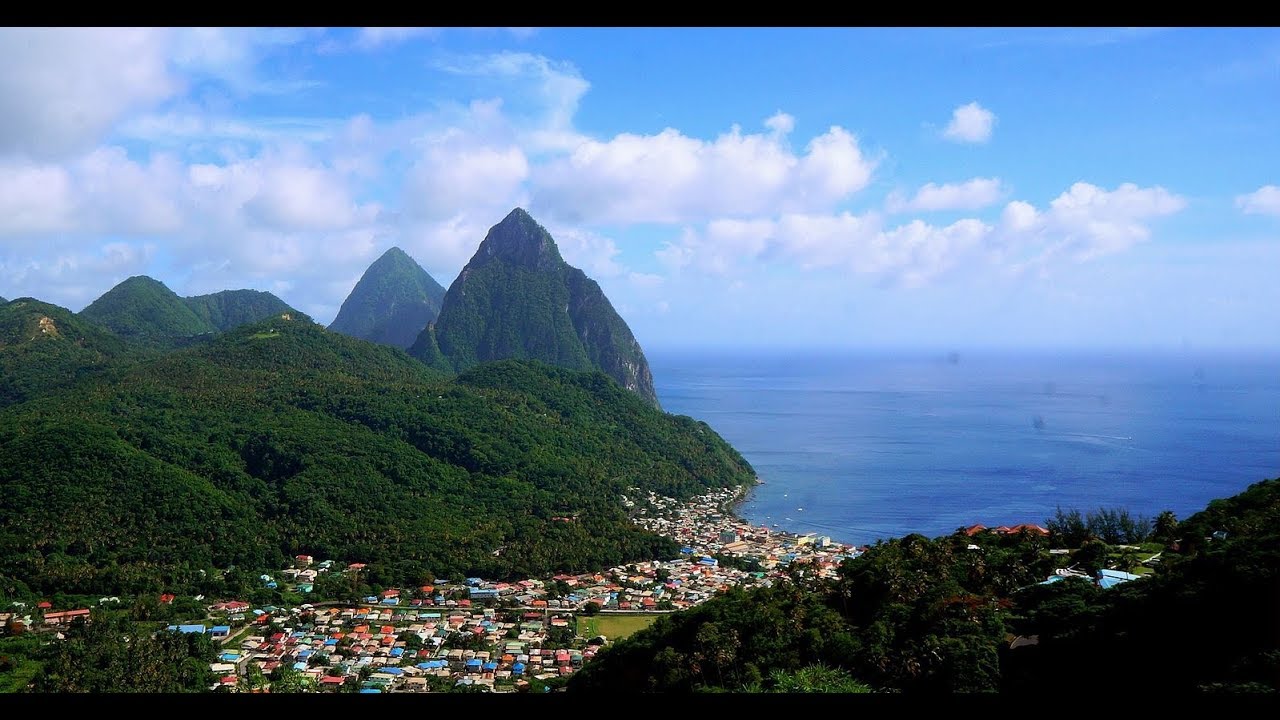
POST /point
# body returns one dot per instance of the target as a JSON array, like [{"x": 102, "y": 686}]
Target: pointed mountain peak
[
  {"x": 519, "y": 240},
  {"x": 392, "y": 302},
  {"x": 394, "y": 254}
]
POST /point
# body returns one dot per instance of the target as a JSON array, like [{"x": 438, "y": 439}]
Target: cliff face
[{"x": 517, "y": 298}]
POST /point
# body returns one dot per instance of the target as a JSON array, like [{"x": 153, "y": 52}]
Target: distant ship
[{"x": 800, "y": 509}]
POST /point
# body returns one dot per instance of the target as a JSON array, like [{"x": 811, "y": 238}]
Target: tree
[
  {"x": 591, "y": 608},
  {"x": 1166, "y": 527},
  {"x": 253, "y": 679},
  {"x": 284, "y": 679}
]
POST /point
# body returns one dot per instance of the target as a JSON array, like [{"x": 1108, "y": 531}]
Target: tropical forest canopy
[{"x": 131, "y": 471}]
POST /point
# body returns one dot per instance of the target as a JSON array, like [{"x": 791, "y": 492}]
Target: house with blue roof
[
  {"x": 1110, "y": 578},
  {"x": 195, "y": 629}
]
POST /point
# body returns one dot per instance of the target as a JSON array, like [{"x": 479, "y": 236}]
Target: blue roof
[
  {"x": 397, "y": 652},
  {"x": 370, "y": 691},
  {"x": 517, "y": 668},
  {"x": 1119, "y": 575},
  {"x": 491, "y": 665},
  {"x": 221, "y": 629},
  {"x": 424, "y": 666},
  {"x": 188, "y": 628},
  {"x": 331, "y": 641},
  {"x": 299, "y": 666},
  {"x": 686, "y": 550},
  {"x": 392, "y": 670},
  {"x": 473, "y": 663},
  {"x": 1053, "y": 579}
]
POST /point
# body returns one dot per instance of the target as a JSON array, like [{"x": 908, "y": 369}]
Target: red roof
[
  {"x": 228, "y": 680},
  {"x": 167, "y": 598},
  {"x": 45, "y": 604},
  {"x": 332, "y": 680},
  {"x": 974, "y": 530},
  {"x": 1033, "y": 529},
  {"x": 391, "y": 593},
  {"x": 428, "y": 588}
]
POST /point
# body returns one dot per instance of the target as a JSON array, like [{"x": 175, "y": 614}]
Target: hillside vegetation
[{"x": 280, "y": 438}]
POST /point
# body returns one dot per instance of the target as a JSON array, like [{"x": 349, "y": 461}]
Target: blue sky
[{"x": 784, "y": 188}]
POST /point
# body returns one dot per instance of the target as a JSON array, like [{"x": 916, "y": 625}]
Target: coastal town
[{"x": 482, "y": 635}]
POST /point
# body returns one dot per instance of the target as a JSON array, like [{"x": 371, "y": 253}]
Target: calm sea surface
[{"x": 861, "y": 447}]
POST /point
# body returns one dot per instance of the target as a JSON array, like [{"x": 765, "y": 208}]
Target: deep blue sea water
[{"x": 868, "y": 446}]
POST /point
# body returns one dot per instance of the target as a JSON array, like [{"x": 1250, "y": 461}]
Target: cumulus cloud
[
  {"x": 1081, "y": 224},
  {"x": 62, "y": 88},
  {"x": 670, "y": 177},
  {"x": 456, "y": 172},
  {"x": 972, "y": 194},
  {"x": 1263, "y": 201},
  {"x": 970, "y": 123},
  {"x": 593, "y": 253}
]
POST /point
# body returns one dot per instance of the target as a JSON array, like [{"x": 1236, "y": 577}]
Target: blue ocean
[{"x": 868, "y": 446}]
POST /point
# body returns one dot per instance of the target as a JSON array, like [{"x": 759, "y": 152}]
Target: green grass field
[{"x": 613, "y": 627}]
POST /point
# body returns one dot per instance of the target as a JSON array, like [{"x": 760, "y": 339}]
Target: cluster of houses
[
  {"x": 495, "y": 635},
  {"x": 706, "y": 529},
  {"x": 385, "y": 649}
]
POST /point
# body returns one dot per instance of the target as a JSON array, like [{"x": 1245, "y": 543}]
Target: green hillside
[
  {"x": 146, "y": 311},
  {"x": 280, "y": 437},
  {"x": 231, "y": 308},
  {"x": 44, "y": 347}
]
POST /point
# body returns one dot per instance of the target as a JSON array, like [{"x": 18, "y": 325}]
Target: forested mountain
[
  {"x": 44, "y": 347},
  {"x": 280, "y": 437},
  {"x": 517, "y": 298},
  {"x": 231, "y": 308},
  {"x": 971, "y": 614},
  {"x": 147, "y": 312},
  {"x": 392, "y": 303}
]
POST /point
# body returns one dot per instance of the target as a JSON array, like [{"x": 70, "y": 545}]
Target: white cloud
[
  {"x": 1089, "y": 222},
  {"x": 645, "y": 280},
  {"x": 593, "y": 253},
  {"x": 781, "y": 123},
  {"x": 970, "y": 123},
  {"x": 1081, "y": 224},
  {"x": 972, "y": 194},
  {"x": 672, "y": 178},
  {"x": 1263, "y": 201},
  {"x": 540, "y": 94},
  {"x": 373, "y": 38},
  {"x": 231, "y": 55},
  {"x": 458, "y": 172},
  {"x": 61, "y": 89}
]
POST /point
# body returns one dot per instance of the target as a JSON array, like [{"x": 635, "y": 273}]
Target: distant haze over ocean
[{"x": 878, "y": 445}]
